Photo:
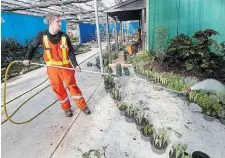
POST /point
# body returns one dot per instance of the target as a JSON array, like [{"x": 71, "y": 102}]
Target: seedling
[
  {"x": 178, "y": 150},
  {"x": 160, "y": 139}
]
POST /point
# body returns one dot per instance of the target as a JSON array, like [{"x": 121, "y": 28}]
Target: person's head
[{"x": 54, "y": 22}]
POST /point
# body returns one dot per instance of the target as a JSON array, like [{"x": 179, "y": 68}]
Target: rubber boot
[
  {"x": 87, "y": 111},
  {"x": 69, "y": 113}
]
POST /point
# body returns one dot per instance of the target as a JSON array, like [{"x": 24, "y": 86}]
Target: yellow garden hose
[
  {"x": 4, "y": 100},
  {"x": 25, "y": 92},
  {"x": 4, "y": 91}
]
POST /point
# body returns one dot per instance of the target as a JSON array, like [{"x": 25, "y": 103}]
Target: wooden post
[
  {"x": 108, "y": 39},
  {"x": 116, "y": 35},
  {"x": 143, "y": 28},
  {"x": 122, "y": 33}
]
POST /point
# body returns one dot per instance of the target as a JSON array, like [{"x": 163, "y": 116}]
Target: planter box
[
  {"x": 199, "y": 154},
  {"x": 129, "y": 119},
  {"x": 158, "y": 151},
  {"x": 122, "y": 113},
  {"x": 140, "y": 126},
  {"x": 144, "y": 137},
  {"x": 208, "y": 118},
  {"x": 222, "y": 121},
  {"x": 108, "y": 90}
]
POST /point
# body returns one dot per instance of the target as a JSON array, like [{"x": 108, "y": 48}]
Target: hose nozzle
[{"x": 188, "y": 90}]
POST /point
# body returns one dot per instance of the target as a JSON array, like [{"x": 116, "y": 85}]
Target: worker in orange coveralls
[{"x": 58, "y": 51}]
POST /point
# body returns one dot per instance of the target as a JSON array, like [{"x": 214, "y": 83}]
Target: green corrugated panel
[{"x": 187, "y": 17}]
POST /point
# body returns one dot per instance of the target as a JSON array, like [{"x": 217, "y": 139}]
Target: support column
[
  {"x": 98, "y": 34},
  {"x": 143, "y": 21},
  {"x": 116, "y": 35},
  {"x": 108, "y": 39},
  {"x": 122, "y": 32}
]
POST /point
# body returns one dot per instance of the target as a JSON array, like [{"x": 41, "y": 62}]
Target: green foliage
[
  {"x": 108, "y": 69},
  {"x": 123, "y": 107},
  {"x": 126, "y": 71},
  {"x": 114, "y": 55},
  {"x": 118, "y": 70},
  {"x": 116, "y": 94},
  {"x": 221, "y": 112},
  {"x": 160, "y": 138},
  {"x": 178, "y": 150},
  {"x": 160, "y": 42},
  {"x": 109, "y": 82},
  {"x": 141, "y": 118},
  {"x": 195, "y": 54},
  {"x": 131, "y": 110},
  {"x": 148, "y": 130}
]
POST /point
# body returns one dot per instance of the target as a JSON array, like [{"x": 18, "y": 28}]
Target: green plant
[
  {"x": 98, "y": 154},
  {"x": 190, "y": 81},
  {"x": 131, "y": 111},
  {"x": 140, "y": 116},
  {"x": 160, "y": 42},
  {"x": 195, "y": 54},
  {"x": 123, "y": 107},
  {"x": 221, "y": 112},
  {"x": 221, "y": 97},
  {"x": 116, "y": 94},
  {"x": 118, "y": 70},
  {"x": 114, "y": 55},
  {"x": 108, "y": 69},
  {"x": 148, "y": 130},
  {"x": 126, "y": 71},
  {"x": 160, "y": 138},
  {"x": 178, "y": 151},
  {"x": 109, "y": 82}
]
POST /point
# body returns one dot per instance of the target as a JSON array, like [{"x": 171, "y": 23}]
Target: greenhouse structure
[{"x": 113, "y": 78}]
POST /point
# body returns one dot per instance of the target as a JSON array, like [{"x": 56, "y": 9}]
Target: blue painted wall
[{"x": 23, "y": 27}]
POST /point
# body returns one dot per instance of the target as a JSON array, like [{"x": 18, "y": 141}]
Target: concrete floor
[
  {"x": 53, "y": 135},
  {"x": 40, "y": 137}
]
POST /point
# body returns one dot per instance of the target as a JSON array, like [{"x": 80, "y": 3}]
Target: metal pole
[
  {"x": 98, "y": 34},
  {"x": 116, "y": 35},
  {"x": 108, "y": 39}
]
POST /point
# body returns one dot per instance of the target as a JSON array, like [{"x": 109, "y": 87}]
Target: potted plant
[
  {"x": 108, "y": 70},
  {"x": 109, "y": 83},
  {"x": 221, "y": 97},
  {"x": 141, "y": 120},
  {"x": 115, "y": 93},
  {"x": 130, "y": 114},
  {"x": 179, "y": 151},
  {"x": 146, "y": 132},
  {"x": 159, "y": 141},
  {"x": 126, "y": 71},
  {"x": 199, "y": 154},
  {"x": 123, "y": 109},
  {"x": 118, "y": 70},
  {"x": 209, "y": 113},
  {"x": 221, "y": 114}
]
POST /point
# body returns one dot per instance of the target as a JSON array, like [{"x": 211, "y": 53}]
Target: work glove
[{"x": 77, "y": 69}]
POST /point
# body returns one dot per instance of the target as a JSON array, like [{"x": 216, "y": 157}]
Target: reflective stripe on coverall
[{"x": 57, "y": 54}]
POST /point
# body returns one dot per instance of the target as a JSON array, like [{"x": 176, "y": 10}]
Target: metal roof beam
[{"x": 60, "y": 3}]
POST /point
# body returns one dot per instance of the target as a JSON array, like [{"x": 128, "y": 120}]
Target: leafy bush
[{"x": 195, "y": 53}]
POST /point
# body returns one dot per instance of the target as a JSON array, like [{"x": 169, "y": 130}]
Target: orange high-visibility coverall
[{"x": 57, "y": 55}]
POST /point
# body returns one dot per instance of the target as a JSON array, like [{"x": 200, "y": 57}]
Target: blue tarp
[
  {"x": 23, "y": 27},
  {"x": 88, "y": 31}
]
